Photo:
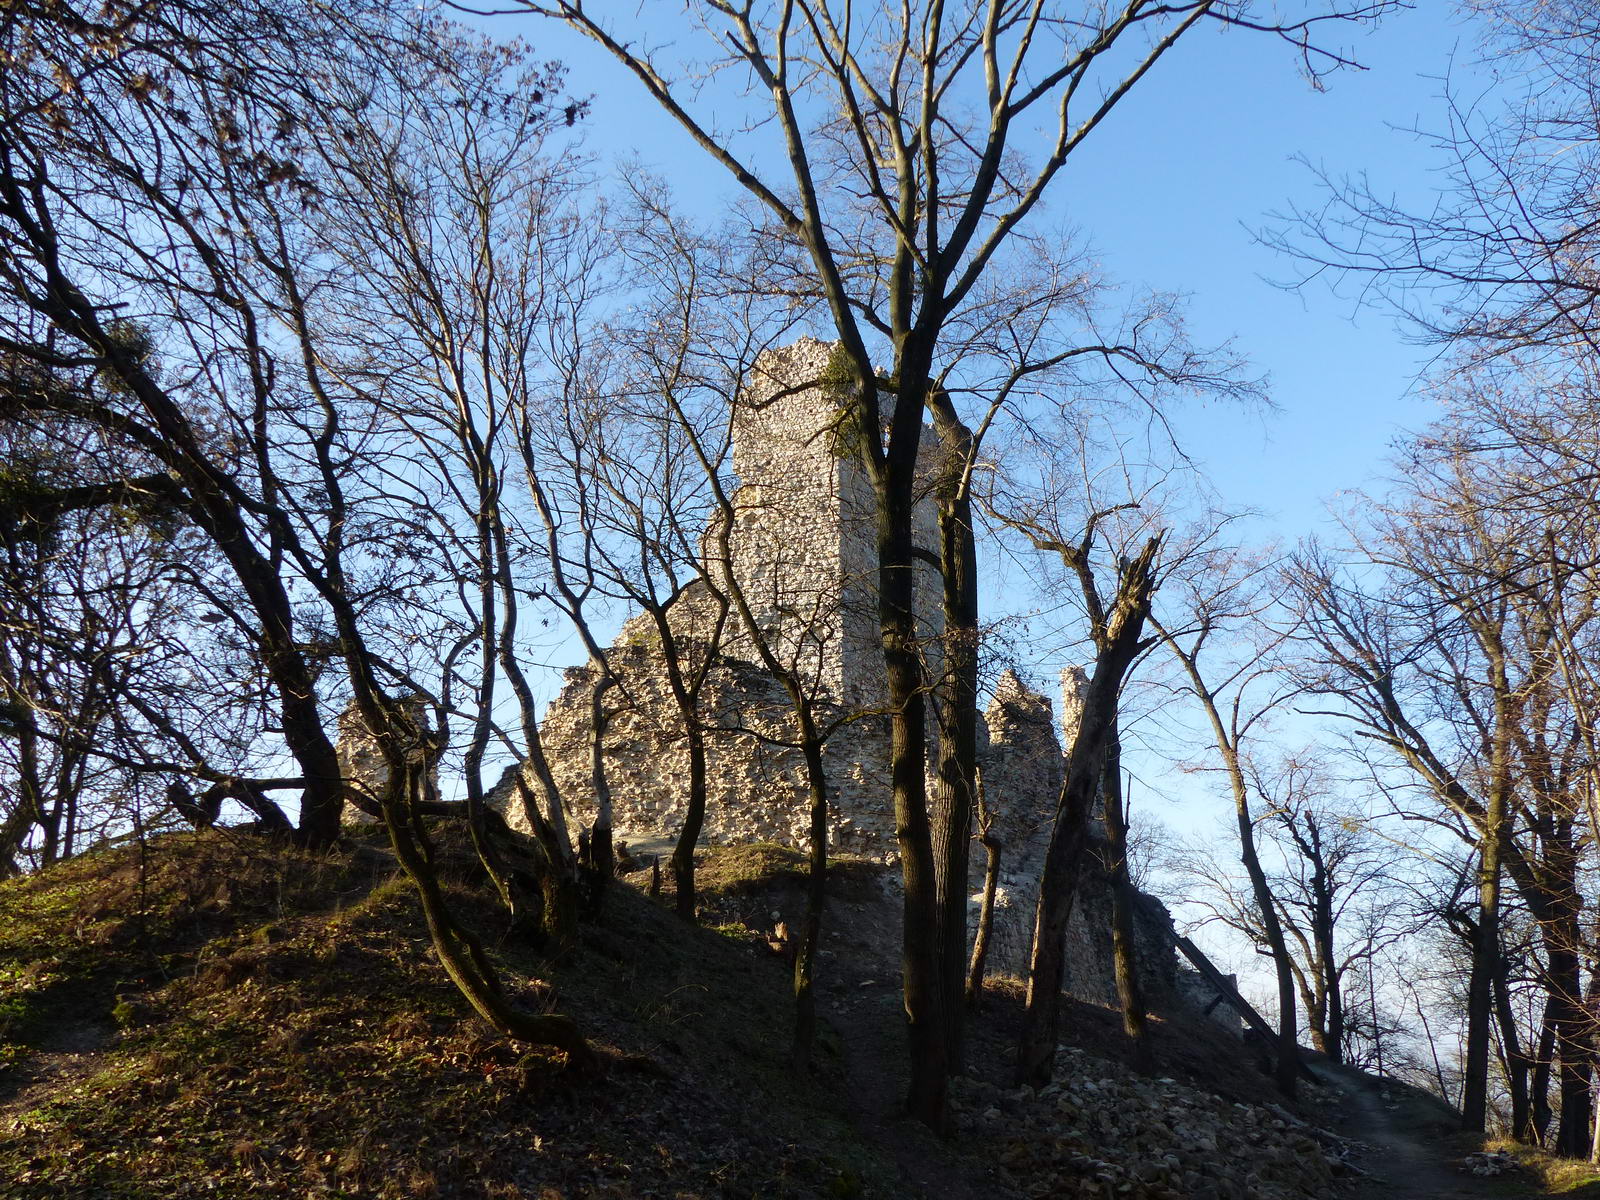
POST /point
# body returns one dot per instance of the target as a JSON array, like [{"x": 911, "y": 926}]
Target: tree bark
[
  {"x": 1124, "y": 948},
  {"x": 1517, "y": 1065},
  {"x": 1288, "y": 1065},
  {"x": 805, "y": 1001},
  {"x": 602, "y": 861},
  {"x": 980, "y": 942},
  {"x": 1036, "y": 1050},
  {"x": 1573, "y": 1051},
  {"x": 694, "y": 819},
  {"x": 1485, "y": 962},
  {"x": 1539, "y": 1092},
  {"x": 956, "y": 702}
]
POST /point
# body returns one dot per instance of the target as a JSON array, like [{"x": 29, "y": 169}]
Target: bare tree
[
  {"x": 1455, "y": 668},
  {"x": 215, "y": 246},
  {"x": 1236, "y": 694},
  {"x": 897, "y": 131}
]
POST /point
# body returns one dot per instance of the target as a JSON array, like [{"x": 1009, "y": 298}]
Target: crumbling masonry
[
  {"x": 803, "y": 549},
  {"x": 804, "y": 552}
]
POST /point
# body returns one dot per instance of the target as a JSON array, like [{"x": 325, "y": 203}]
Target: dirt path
[
  {"x": 71, "y": 1052},
  {"x": 1409, "y": 1151}
]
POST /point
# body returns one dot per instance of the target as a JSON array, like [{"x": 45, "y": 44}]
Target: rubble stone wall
[{"x": 803, "y": 549}]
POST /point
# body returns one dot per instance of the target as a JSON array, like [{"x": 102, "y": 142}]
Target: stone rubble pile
[
  {"x": 1100, "y": 1131},
  {"x": 1490, "y": 1162}
]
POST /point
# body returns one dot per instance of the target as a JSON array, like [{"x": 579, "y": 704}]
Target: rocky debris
[
  {"x": 1100, "y": 1132},
  {"x": 1490, "y": 1162}
]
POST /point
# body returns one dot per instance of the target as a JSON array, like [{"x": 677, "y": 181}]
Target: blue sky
[
  {"x": 1168, "y": 194},
  {"x": 1175, "y": 203}
]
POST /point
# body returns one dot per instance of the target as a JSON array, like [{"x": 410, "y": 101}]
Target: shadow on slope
[{"x": 285, "y": 1031}]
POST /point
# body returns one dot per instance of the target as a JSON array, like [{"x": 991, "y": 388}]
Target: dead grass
[
  {"x": 1549, "y": 1175},
  {"x": 290, "y": 1034}
]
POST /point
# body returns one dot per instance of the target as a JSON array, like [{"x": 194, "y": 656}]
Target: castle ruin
[{"x": 804, "y": 550}]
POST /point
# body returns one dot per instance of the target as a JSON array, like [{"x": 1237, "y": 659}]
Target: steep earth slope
[{"x": 215, "y": 1015}]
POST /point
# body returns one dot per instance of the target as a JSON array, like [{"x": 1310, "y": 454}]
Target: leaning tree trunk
[
  {"x": 1288, "y": 1066},
  {"x": 602, "y": 861},
  {"x": 458, "y": 950},
  {"x": 1124, "y": 951},
  {"x": 1036, "y": 1050},
  {"x": 992, "y": 847}
]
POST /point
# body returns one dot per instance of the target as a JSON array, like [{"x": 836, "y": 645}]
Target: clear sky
[{"x": 1168, "y": 193}]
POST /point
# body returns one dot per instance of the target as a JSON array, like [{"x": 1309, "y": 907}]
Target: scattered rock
[
  {"x": 1100, "y": 1132},
  {"x": 1490, "y": 1162}
]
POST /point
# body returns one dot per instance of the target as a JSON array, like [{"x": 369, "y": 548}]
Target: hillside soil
[{"x": 218, "y": 1015}]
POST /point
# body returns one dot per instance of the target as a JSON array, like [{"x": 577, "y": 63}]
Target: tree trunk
[
  {"x": 694, "y": 819},
  {"x": 1036, "y": 1050},
  {"x": 908, "y": 747},
  {"x": 1124, "y": 950},
  {"x": 602, "y": 861},
  {"x": 805, "y": 1001},
  {"x": 459, "y": 952},
  {"x": 1333, "y": 1027},
  {"x": 1517, "y": 1065},
  {"x": 1288, "y": 1065},
  {"x": 216, "y": 503},
  {"x": 1485, "y": 960},
  {"x": 980, "y": 942},
  {"x": 956, "y": 702},
  {"x": 1539, "y": 1092},
  {"x": 1326, "y": 1014},
  {"x": 1574, "y": 1054}
]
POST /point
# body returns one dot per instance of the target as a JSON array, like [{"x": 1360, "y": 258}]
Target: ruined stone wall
[
  {"x": 361, "y": 762},
  {"x": 803, "y": 546},
  {"x": 804, "y": 541},
  {"x": 756, "y": 787}
]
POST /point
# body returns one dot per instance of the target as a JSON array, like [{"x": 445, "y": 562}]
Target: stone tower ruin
[
  {"x": 804, "y": 544},
  {"x": 803, "y": 547}
]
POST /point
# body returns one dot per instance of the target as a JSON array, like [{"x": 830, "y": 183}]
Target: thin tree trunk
[
  {"x": 805, "y": 1001},
  {"x": 1539, "y": 1092},
  {"x": 602, "y": 864},
  {"x": 29, "y": 810},
  {"x": 1517, "y": 1065},
  {"x": 459, "y": 952},
  {"x": 1486, "y": 945},
  {"x": 694, "y": 819},
  {"x": 992, "y": 847},
  {"x": 1124, "y": 950},
  {"x": 1480, "y": 985},
  {"x": 1288, "y": 1066}
]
